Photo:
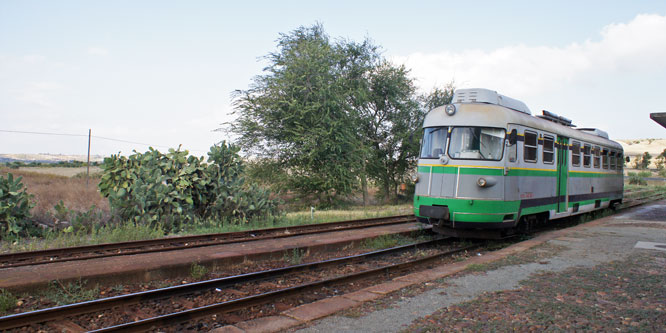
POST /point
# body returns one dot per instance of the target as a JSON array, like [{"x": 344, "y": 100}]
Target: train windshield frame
[
  {"x": 434, "y": 142},
  {"x": 477, "y": 143}
]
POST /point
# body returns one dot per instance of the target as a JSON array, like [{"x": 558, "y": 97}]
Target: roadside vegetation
[{"x": 65, "y": 212}]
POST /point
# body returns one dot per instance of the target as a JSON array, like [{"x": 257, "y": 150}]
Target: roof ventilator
[
  {"x": 556, "y": 119},
  {"x": 479, "y": 95}
]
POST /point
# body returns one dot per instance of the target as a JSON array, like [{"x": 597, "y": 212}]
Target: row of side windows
[
  {"x": 595, "y": 156},
  {"x": 592, "y": 155}
]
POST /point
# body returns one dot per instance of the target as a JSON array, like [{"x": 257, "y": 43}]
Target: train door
[
  {"x": 562, "y": 173},
  {"x": 511, "y": 161}
]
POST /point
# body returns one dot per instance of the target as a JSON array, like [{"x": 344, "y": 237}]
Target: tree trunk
[
  {"x": 364, "y": 186},
  {"x": 387, "y": 189}
]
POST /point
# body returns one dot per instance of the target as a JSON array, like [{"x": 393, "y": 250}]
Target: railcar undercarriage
[{"x": 486, "y": 230}]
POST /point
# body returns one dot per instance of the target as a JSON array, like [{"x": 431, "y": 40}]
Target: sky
[{"x": 162, "y": 73}]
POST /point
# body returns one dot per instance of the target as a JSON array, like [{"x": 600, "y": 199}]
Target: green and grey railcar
[{"x": 487, "y": 163}]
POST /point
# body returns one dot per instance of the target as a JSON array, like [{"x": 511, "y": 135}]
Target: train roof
[{"x": 483, "y": 107}]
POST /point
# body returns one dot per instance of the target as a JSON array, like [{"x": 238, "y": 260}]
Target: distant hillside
[
  {"x": 47, "y": 158},
  {"x": 637, "y": 147}
]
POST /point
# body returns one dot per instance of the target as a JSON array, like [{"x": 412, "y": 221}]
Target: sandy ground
[{"x": 614, "y": 240}]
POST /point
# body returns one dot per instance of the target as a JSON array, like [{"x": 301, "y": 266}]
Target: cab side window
[{"x": 530, "y": 149}]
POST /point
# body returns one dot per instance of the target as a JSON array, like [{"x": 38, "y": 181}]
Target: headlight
[
  {"x": 415, "y": 179},
  {"x": 450, "y": 109},
  {"x": 481, "y": 182}
]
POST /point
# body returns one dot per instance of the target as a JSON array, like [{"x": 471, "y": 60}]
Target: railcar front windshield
[
  {"x": 477, "y": 143},
  {"x": 434, "y": 142}
]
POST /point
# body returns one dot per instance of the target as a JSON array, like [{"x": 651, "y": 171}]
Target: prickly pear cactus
[
  {"x": 175, "y": 188},
  {"x": 15, "y": 205}
]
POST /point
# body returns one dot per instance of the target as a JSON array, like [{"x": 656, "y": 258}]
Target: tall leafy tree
[
  {"x": 387, "y": 116},
  {"x": 438, "y": 96},
  {"x": 393, "y": 118},
  {"x": 296, "y": 116}
]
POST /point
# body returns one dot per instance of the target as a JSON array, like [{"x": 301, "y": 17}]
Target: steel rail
[
  {"x": 28, "y": 258},
  {"x": 245, "y": 302},
  {"x": 59, "y": 312}
]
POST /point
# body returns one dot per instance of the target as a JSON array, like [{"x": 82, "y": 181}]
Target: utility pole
[{"x": 88, "y": 168}]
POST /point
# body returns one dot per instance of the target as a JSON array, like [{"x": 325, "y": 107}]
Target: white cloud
[
  {"x": 636, "y": 46},
  {"x": 33, "y": 58},
  {"x": 98, "y": 51},
  {"x": 38, "y": 93}
]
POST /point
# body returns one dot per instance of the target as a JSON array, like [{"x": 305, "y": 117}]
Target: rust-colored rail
[{"x": 178, "y": 243}]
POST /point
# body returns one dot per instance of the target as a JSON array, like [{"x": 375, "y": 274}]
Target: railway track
[
  {"x": 636, "y": 198},
  {"x": 87, "y": 314},
  {"x": 185, "y": 242},
  {"x": 28, "y": 258}
]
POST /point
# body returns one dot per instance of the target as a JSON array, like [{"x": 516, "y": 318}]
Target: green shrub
[
  {"x": 15, "y": 206},
  {"x": 173, "y": 189},
  {"x": 638, "y": 178},
  {"x": 198, "y": 271}
]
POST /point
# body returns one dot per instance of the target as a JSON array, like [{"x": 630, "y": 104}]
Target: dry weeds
[{"x": 49, "y": 189}]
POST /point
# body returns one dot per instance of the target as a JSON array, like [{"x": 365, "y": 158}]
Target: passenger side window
[
  {"x": 548, "y": 149},
  {"x": 613, "y": 160},
  {"x": 575, "y": 153},
  {"x": 586, "y": 155},
  {"x": 620, "y": 161},
  {"x": 604, "y": 158},
  {"x": 530, "y": 151},
  {"x": 597, "y": 157}
]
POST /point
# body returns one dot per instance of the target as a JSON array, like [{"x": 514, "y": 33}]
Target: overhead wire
[{"x": 94, "y": 136}]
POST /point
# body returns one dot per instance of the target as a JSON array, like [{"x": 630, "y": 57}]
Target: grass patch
[
  {"x": 105, "y": 234},
  {"x": 351, "y": 213},
  {"x": 386, "y": 241},
  {"x": 294, "y": 257},
  {"x": 7, "y": 301},
  {"x": 129, "y": 232},
  {"x": 477, "y": 267},
  {"x": 198, "y": 271},
  {"x": 72, "y": 292}
]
